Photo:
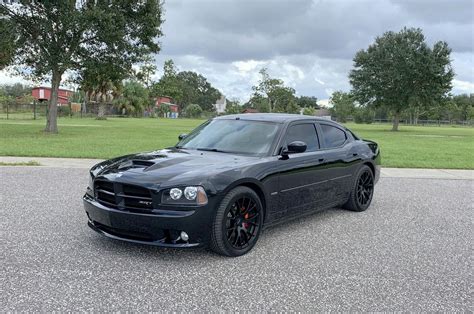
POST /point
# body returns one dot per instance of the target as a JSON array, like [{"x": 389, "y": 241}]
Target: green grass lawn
[
  {"x": 90, "y": 138},
  {"x": 421, "y": 146},
  {"x": 417, "y": 147}
]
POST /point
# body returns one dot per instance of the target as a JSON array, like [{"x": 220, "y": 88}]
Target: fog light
[{"x": 184, "y": 236}]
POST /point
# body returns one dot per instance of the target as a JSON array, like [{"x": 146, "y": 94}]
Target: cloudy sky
[{"x": 307, "y": 43}]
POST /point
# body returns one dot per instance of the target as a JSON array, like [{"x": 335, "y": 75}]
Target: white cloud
[
  {"x": 10, "y": 78},
  {"x": 324, "y": 103},
  {"x": 248, "y": 65},
  {"x": 463, "y": 86},
  {"x": 319, "y": 81}
]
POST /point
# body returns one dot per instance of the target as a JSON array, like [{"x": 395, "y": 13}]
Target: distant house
[
  {"x": 221, "y": 104},
  {"x": 42, "y": 93},
  {"x": 174, "y": 108},
  {"x": 250, "y": 110}
]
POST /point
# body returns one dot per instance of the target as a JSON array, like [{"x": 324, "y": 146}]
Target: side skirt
[{"x": 304, "y": 214}]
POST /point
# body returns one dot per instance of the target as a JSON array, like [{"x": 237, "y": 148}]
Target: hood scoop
[{"x": 135, "y": 163}]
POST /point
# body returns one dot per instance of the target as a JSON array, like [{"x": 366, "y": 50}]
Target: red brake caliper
[{"x": 246, "y": 225}]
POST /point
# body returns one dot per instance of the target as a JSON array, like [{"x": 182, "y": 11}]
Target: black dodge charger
[{"x": 230, "y": 178}]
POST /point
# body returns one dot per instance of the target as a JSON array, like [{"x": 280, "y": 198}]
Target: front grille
[
  {"x": 123, "y": 196},
  {"x": 128, "y": 234}
]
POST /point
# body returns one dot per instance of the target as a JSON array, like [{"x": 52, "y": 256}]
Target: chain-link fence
[
  {"x": 39, "y": 110},
  {"x": 419, "y": 122}
]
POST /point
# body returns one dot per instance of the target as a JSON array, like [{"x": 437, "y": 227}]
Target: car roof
[{"x": 271, "y": 117}]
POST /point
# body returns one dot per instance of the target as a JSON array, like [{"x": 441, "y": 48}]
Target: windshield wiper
[{"x": 206, "y": 149}]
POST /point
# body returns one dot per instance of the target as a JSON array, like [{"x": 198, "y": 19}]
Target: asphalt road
[{"x": 411, "y": 251}]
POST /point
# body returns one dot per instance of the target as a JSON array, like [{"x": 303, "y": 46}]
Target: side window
[
  {"x": 305, "y": 133},
  {"x": 333, "y": 137}
]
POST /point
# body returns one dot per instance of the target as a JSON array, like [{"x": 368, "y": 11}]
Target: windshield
[{"x": 232, "y": 136}]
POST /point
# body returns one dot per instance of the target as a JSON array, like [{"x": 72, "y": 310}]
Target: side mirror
[
  {"x": 295, "y": 147},
  {"x": 182, "y": 136}
]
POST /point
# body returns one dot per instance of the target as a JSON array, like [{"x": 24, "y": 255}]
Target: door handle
[
  {"x": 355, "y": 154},
  {"x": 321, "y": 159}
]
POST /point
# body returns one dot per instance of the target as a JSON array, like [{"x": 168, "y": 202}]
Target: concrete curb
[
  {"x": 53, "y": 162},
  {"x": 448, "y": 174}
]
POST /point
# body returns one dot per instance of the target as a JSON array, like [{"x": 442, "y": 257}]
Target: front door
[{"x": 302, "y": 180}]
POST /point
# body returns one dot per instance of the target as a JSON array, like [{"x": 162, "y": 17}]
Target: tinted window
[
  {"x": 333, "y": 137},
  {"x": 236, "y": 136},
  {"x": 304, "y": 133}
]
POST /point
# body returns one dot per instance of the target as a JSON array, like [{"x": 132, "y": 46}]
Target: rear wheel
[
  {"x": 362, "y": 190},
  {"x": 238, "y": 222}
]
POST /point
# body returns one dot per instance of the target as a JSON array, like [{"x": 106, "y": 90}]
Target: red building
[
  {"x": 44, "y": 94},
  {"x": 166, "y": 100}
]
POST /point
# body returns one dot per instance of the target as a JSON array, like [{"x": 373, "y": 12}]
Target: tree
[
  {"x": 101, "y": 82},
  {"x": 233, "y": 107},
  {"x": 284, "y": 100},
  {"x": 266, "y": 87},
  {"x": 465, "y": 103},
  {"x": 15, "y": 94},
  {"x": 134, "y": 98},
  {"x": 193, "y": 111},
  {"x": 186, "y": 88},
  {"x": 164, "y": 109},
  {"x": 307, "y": 102},
  {"x": 259, "y": 102},
  {"x": 343, "y": 105},
  {"x": 168, "y": 85},
  {"x": 400, "y": 70},
  {"x": 15, "y": 90},
  {"x": 7, "y": 42},
  {"x": 53, "y": 37},
  {"x": 197, "y": 90},
  {"x": 363, "y": 115},
  {"x": 271, "y": 95},
  {"x": 146, "y": 70}
]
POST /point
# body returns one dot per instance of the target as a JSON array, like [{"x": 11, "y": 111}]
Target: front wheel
[
  {"x": 238, "y": 222},
  {"x": 362, "y": 190}
]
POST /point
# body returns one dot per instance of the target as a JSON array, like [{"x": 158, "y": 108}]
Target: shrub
[
  {"x": 193, "y": 111},
  {"x": 363, "y": 115},
  {"x": 308, "y": 111}
]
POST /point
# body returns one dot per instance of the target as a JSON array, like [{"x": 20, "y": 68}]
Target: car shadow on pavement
[{"x": 287, "y": 229}]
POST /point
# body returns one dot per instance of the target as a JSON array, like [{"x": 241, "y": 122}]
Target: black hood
[{"x": 169, "y": 166}]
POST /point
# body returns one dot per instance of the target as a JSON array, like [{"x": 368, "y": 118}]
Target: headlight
[
  {"x": 190, "y": 192},
  {"x": 190, "y": 195},
  {"x": 175, "y": 194}
]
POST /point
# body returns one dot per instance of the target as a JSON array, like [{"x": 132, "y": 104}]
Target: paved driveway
[{"x": 412, "y": 250}]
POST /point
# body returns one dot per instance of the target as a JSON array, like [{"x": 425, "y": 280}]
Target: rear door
[{"x": 341, "y": 157}]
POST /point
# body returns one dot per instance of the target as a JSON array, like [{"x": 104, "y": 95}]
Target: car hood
[{"x": 169, "y": 166}]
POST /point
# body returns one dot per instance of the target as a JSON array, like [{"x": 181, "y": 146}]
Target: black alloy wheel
[
  {"x": 243, "y": 222},
  {"x": 365, "y": 188},
  {"x": 362, "y": 190},
  {"x": 238, "y": 222}
]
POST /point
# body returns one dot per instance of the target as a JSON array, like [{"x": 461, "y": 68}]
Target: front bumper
[{"x": 159, "y": 227}]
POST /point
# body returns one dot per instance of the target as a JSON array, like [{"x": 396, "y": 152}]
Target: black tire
[
  {"x": 362, "y": 190},
  {"x": 237, "y": 226}
]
